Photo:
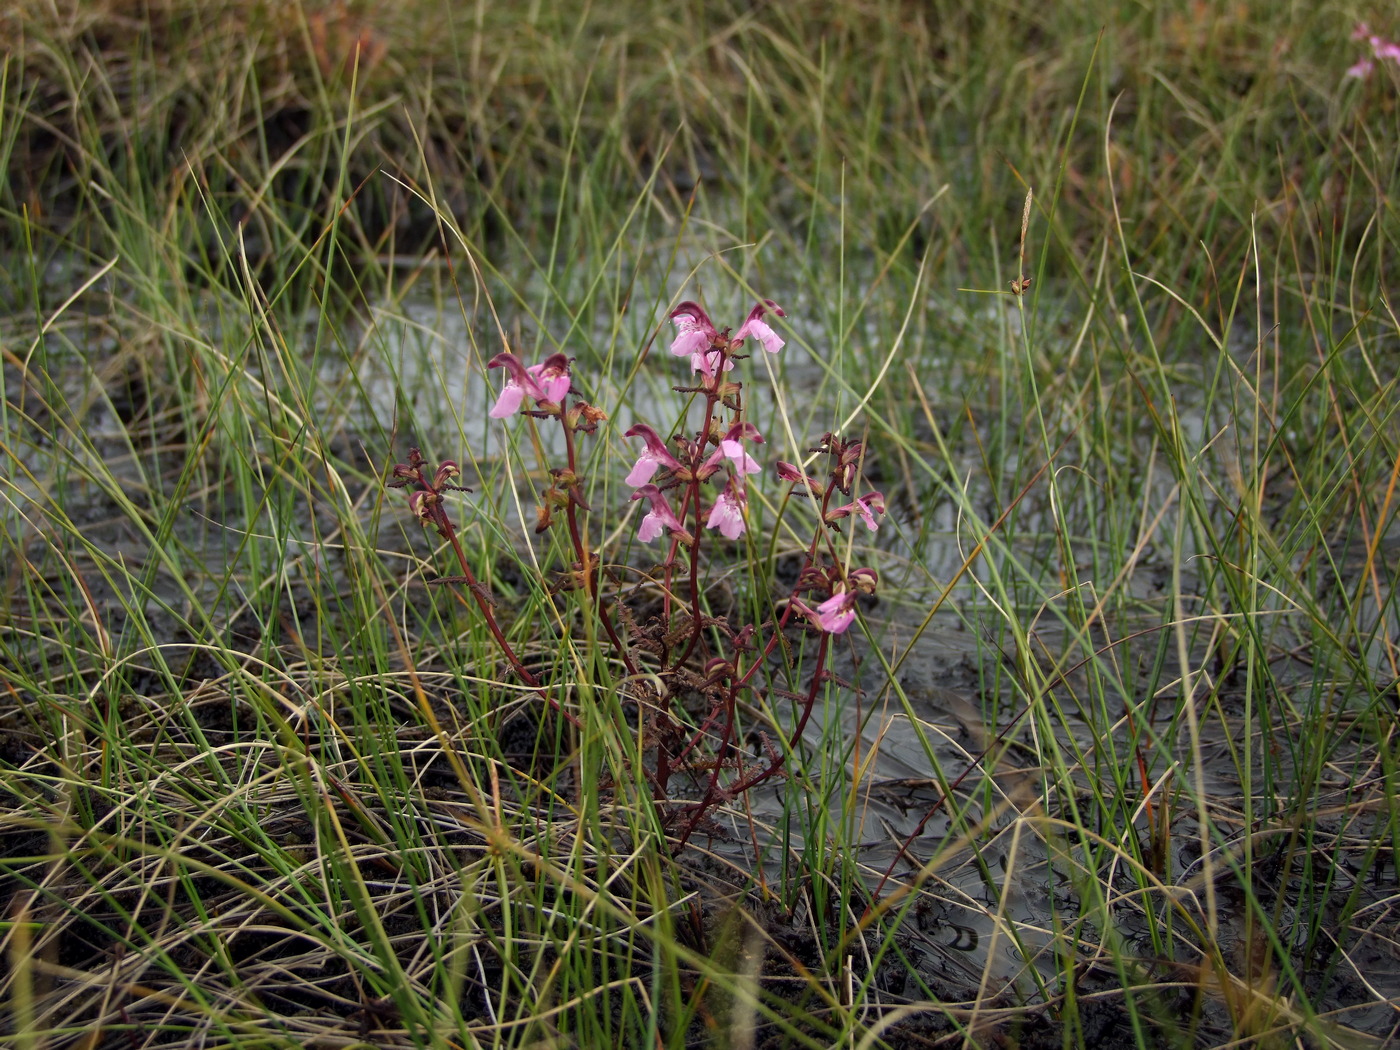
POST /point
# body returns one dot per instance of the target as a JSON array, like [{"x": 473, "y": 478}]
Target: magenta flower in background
[
  {"x": 547, "y": 381},
  {"x": 1381, "y": 48},
  {"x": 653, "y": 457},
  {"x": 661, "y": 518},
  {"x": 727, "y": 514},
  {"x": 755, "y": 326}
]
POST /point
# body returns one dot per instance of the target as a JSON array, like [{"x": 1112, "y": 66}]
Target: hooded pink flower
[
  {"x": 731, "y": 447},
  {"x": 837, "y": 613},
  {"x": 661, "y": 518},
  {"x": 866, "y": 507},
  {"x": 755, "y": 326},
  {"x": 653, "y": 457},
  {"x": 834, "y": 615},
  {"x": 727, "y": 514},
  {"x": 547, "y": 381},
  {"x": 694, "y": 330}
]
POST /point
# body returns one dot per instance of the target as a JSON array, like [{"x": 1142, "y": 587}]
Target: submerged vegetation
[{"x": 1093, "y": 740}]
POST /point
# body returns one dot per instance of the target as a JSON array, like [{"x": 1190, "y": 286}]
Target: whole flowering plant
[{"x": 692, "y": 672}]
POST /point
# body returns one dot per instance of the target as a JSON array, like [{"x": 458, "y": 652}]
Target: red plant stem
[
  {"x": 444, "y": 528},
  {"x": 743, "y": 785},
  {"x": 772, "y": 642},
  {"x": 693, "y": 498},
  {"x": 588, "y": 564}
]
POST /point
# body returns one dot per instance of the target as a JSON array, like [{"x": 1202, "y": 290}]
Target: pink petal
[
  {"x": 642, "y": 471},
  {"x": 772, "y": 342},
  {"x": 651, "y": 527},
  {"x": 868, "y": 506},
  {"x": 736, "y": 452},
  {"x": 691, "y": 342},
  {"x": 727, "y": 516},
  {"x": 551, "y": 378},
  {"x": 509, "y": 401},
  {"x": 836, "y": 613},
  {"x": 755, "y": 327},
  {"x": 557, "y": 389},
  {"x": 1361, "y": 70}
]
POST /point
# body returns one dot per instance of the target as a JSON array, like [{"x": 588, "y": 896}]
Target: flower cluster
[
  {"x": 1381, "y": 50},
  {"x": 711, "y": 353},
  {"x": 839, "y": 611},
  {"x": 547, "y": 383}
]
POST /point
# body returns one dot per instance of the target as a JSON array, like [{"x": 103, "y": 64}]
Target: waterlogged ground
[{"x": 938, "y": 775}]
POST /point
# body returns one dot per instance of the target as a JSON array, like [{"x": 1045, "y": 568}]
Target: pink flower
[
  {"x": 755, "y": 326},
  {"x": 834, "y": 615},
  {"x": 661, "y": 518},
  {"x": 866, "y": 507},
  {"x": 695, "y": 331},
  {"x": 547, "y": 381},
  {"x": 731, "y": 447},
  {"x": 837, "y": 613},
  {"x": 1362, "y": 69},
  {"x": 653, "y": 457},
  {"x": 735, "y": 451},
  {"x": 727, "y": 514}
]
